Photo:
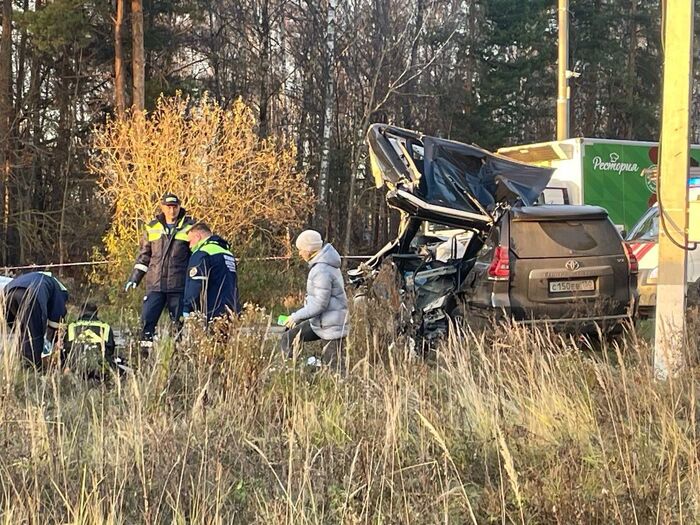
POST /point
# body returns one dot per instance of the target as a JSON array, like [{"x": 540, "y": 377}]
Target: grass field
[{"x": 516, "y": 427}]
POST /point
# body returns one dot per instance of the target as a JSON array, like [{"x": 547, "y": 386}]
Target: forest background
[{"x": 313, "y": 75}]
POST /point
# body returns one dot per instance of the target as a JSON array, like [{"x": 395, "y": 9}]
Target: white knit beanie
[{"x": 310, "y": 241}]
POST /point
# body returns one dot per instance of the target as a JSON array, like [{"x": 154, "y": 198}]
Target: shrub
[{"x": 246, "y": 188}]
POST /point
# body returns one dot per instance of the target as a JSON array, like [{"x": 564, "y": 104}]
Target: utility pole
[
  {"x": 673, "y": 188},
  {"x": 563, "y": 72}
]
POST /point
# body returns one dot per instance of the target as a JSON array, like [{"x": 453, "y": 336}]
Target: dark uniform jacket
[
  {"x": 212, "y": 283},
  {"x": 47, "y": 293},
  {"x": 163, "y": 255}
]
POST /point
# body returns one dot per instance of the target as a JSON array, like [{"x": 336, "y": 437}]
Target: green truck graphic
[{"x": 619, "y": 175}]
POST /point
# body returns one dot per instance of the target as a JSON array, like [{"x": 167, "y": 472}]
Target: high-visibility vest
[{"x": 92, "y": 332}]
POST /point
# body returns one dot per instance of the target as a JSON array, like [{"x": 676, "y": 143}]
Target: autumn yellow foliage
[{"x": 244, "y": 187}]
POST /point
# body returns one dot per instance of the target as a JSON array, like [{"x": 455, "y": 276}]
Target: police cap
[{"x": 170, "y": 199}]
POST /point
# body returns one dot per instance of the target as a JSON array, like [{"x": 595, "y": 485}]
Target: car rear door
[{"x": 567, "y": 268}]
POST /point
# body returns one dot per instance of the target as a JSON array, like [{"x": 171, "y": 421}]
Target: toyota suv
[{"x": 566, "y": 266}]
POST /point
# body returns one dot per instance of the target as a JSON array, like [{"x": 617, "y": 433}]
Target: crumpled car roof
[{"x": 451, "y": 174}]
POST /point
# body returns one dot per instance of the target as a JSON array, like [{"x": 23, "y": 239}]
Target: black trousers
[
  {"x": 153, "y": 305},
  {"x": 24, "y": 315},
  {"x": 332, "y": 350},
  {"x": 302, "y": 331}
]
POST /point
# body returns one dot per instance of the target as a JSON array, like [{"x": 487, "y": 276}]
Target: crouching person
[
  {"x": 35, "y": 303},
  {"x": 211, "y": 287},
  {"x": 89, "y": 348},
  {"x": 324, "y": 315}
]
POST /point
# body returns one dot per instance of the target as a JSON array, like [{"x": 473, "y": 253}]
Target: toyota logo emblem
[{"x": 572, "y": 265}]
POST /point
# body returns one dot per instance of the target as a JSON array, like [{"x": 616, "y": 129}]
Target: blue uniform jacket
[
  {"x": 47, "y": 292},
  {"x": 212, "y": 283}
]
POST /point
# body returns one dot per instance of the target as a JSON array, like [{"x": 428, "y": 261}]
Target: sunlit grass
[{"x": 519, "y": 427}]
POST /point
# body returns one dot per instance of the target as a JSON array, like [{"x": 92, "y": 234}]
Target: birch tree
[{"x": 328, "y": 102}]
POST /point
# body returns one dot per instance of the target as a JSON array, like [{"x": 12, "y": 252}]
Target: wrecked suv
[{"x": 504, "y": 257}]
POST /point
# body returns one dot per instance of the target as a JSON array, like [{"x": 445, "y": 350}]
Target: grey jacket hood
[{"x": 328, "y": 255}]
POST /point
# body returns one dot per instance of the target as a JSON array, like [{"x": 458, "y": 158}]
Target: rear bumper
[
  {"x": 587, "y": 324},
  {"x": 596, "y": 319},
  {"x": 582, "y": 324}
]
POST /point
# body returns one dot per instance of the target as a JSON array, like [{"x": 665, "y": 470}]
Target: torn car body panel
[{"x": 449, "y": 182}]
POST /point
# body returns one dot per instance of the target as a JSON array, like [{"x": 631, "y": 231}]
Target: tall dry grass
[{"x": 520, "y": 427}]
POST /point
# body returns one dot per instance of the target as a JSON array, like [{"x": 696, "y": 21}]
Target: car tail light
[
  {"x": 631, "y": 259},
  {"x": 499, "y": 269}
]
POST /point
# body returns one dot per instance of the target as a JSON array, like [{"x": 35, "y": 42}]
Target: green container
[{"x": 282, "y": 320}]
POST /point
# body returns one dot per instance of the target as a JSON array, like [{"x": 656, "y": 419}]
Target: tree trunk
[
  {"x": 322, "y": 188},
  {"x": 63, "y": 147},
  {"x": 263, "y": 116},
  {"x": 631, "y": 80},
  {"x": 138, "y": 62},
  {"x": 34, "y": 109},
  {"x": 21, "y": 62},
  {"x": 6, "y": 118},
  {"x": 119, "y": 76},
  {"x": 354, "y": 163},
  {"x": 407, "y": 102}
]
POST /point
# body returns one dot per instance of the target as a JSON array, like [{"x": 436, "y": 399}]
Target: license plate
[{"x": 582, "y": 285}]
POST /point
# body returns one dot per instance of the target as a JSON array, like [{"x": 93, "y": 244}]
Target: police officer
[
  {"x": 212, "y": 283},
  {"x": 35, "y": 303},
  {"x": 163, "y": 257}
]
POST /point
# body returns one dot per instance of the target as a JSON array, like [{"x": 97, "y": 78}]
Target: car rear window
[{"x": 565, "y": 238}]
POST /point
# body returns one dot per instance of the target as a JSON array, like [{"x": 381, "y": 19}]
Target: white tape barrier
[{"x": 6, "y": 269}]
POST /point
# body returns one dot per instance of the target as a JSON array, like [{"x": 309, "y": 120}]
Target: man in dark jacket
[
  {"x": 35, "y": 303},
  {"x": 212, "y": 283},
  {"x": 162, "y": 258}
]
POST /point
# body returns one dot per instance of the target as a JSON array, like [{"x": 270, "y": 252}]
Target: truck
[{"x": 619, "y": 175}]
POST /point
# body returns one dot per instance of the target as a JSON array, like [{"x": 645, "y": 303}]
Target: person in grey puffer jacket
[{"x": 324, "y": 315}]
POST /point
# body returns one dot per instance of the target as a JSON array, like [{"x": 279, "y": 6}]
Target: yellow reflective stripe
[
  {"x": 88, "y": 336},
  {"x": 182, "y": 232},
  {"x": 157, "y": 227},
  {"x": 215, "y": 249},
  {"x": 102, "y": 327},
  {"x": 157, "y": 230}
]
